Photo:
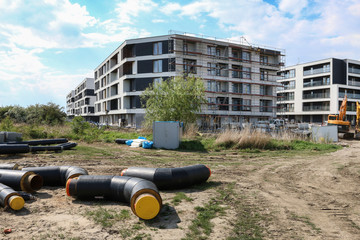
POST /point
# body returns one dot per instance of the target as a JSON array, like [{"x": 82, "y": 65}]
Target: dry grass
[
  {"x": 245, "y": 138},
  {"x": 191, "y": 130}
]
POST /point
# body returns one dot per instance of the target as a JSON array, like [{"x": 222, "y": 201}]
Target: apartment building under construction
[{"x": 240, "y": 78}]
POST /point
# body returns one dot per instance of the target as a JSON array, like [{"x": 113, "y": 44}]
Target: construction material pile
[
  {"x": 10, "y": 143},
  {"x": 136, "y": 186}
]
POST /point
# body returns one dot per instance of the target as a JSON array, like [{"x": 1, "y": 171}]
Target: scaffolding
[{"x": 214, "y": 55}]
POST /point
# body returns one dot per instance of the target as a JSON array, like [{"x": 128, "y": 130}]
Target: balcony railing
[
  {"x": 354, "y": 83},
  {"x": 316, "y": 108},
  {"x": 316, "y": 83},
  {"x": 316, "y": 71},
  {"x": 316, "y": 95},
  {"x": 349, "y": 95},
  {"x": 354, "y": 70}
]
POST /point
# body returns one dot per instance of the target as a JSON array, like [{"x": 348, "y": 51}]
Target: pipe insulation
[
  {"x": 57, "y": 175},
  {"x": 143, "y": 195},
  {"x": 25, "y": 148},
  {"x": 41, "y": 142},
  {"x": 9, "y": 197},
  {"x": 171, "y": 178},
  {"x": 13, "y": 166},
  {"x": 21, "y": 180}
]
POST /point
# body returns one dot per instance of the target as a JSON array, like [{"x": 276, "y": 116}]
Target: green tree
[{"x": 176, "y": 99}]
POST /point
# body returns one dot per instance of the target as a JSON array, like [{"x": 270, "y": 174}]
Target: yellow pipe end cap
[
  {"x": 147, "y": 206},
  {"x": 16, "y": 202}
]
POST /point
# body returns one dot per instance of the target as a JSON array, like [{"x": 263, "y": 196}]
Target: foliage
[
  {"x": 7, "y": 125},
  {"x": 177, "y": 99},
  {"x": 50, "y": 114},
  {"x": 78, "y": 125},
  {"x": 107, "y": 218}
]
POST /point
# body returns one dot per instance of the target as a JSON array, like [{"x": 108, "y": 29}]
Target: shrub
[{"x": 7, "y": 125}]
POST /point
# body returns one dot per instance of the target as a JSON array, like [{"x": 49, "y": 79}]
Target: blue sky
[{"x": 47, "y": 47}]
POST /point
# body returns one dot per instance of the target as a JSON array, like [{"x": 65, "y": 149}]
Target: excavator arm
[{"x": 342, "y": 111}]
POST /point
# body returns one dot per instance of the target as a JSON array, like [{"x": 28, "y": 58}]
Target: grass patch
[
  {"x": 305, "y": 220},
  {"x": 105, "y": 217},
  {"x": 201, "y": 227},
  {"x": 179, "y": 197}
]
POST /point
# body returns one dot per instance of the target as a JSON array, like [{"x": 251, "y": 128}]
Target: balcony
[
  {"x": 316, "y": 108},
  {"x": 349, "y": 95},
  {"x": 354, "y": 70},
  {"x": 316, "y": 95},
  {"x": 315, "y": 84}
]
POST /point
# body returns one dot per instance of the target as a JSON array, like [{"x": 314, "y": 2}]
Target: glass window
[
  {"x": 246, "y": 88},
  {"x": 246, "y": 105},
  {"x": 246, "y": 56},
  {"x": 157, "y": 66},
  {"x": 264, "y": 59},
  {"x": 211, "y": 68},
  {"x": 246, "y": 72},
  {"x": 157, "y": 48},
  {"x": 264, "y": 75},
  {"x": 157, "y": 81},
  {"x": 237, "y": 88},
  {"x": 211, "y": 50}
]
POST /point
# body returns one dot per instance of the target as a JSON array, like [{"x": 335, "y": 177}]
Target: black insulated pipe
[
  {"x": 121, "y": 141},
  {"x": 57, "y": 175},
  {"x": 14, "y": 148},
  {"x": 25, "y": 148},
  {"x": 11, "y": 166},
  {"x": 9, "y": 197},
  {"x": 42, "y": 142},
  {"x": 143, "y": 195},
  {"x": 21, "y": 180},
  {"x": 171, "y": 178}
]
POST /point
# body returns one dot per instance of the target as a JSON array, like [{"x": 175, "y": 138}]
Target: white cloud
[
  {"x": 293, "y": 6},
  {"x": 129, "y": 10},
  {"x": 170, "y": 8},
  {"x": 158, "y": 20},
  {"x": 9, "y": 4}
]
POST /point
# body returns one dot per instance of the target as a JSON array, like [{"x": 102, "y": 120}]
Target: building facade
[
  {"x": 70, "y": 104},
  {"x": 81, "y": 101},
  {"x": 311, "y": 91},
  {"x": 240, "y": 79}
]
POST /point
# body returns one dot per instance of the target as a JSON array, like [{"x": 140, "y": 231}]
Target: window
[
  {"x": 211, "y": 68},
  {"x": 246, "y": 72},
  {"x": 246, "y": 56},
  {"x": 157, "y": 81},
  {"x": 246, "y": 88},
  {"x": 236, "y": 71},
  {"x": 212, "y": 103},
  {"x": 221, "y": 86},
  {"x": 211, "y": 50},
  {"x": 236, "y": 104},
  {"x": 237, "y": 88},
  {"x": 157, "y": 66},
  {"x": 264, "y": 60},
  {"x": 265, "y": 105},
  {"x": 185, "y": 48},
  {"x": 265, "y": 90},
  {"x": 264, "y": 75},
  {"x": 157, "y": 48},
  {"x": 189, "y": 66},
  {"x": 246, "y": 105},
  {"x": 211, "y": 86}
]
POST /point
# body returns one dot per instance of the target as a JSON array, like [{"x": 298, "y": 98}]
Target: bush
[{"x": 7, "y": 125}]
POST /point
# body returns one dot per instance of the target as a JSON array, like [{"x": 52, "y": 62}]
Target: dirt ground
[{"x": 311, "y": 197}]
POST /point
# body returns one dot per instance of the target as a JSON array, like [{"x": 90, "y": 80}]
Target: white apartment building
[
  {"x": 240, "y": 79},
  {"x": 70, "y": 105},
  {"x": 311, "y": 91},
  {"x": 81, "y": 101}
]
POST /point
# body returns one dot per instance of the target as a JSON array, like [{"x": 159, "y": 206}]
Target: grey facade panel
[
  {"x": 145, "y": 66},
  {"x": 144, "y": 49},
  {"x": 339, "y": 71}
]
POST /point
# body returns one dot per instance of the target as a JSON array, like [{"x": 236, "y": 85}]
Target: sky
[{"x": 47, "y": 47}]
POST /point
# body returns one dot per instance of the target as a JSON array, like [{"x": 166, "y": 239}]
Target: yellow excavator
[
  {"x": 357, "y": 125},
  {"x": 339, "y": 120}
]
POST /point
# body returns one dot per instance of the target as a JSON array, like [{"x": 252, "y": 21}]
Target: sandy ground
[{"x": 314, "y": 197}]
